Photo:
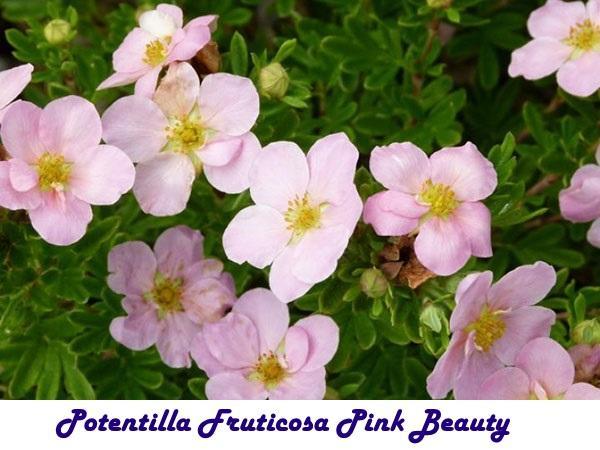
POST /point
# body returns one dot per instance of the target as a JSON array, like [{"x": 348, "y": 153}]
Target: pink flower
[
  {"x": 57, "y": 167},
  {"x": 169, "y": 293},
  {"x": 566, "y": 38},
  {"x": 185, "y": 128},
  {"x": 543, "y": 370},
  {"x": 306, "y": 210},
  {"x": 580, "y": 202},
  {"x": 586, "y": 359},
  {"x": 160, "y": 40},
  {"x": 252, "y": 354},
  {"x": 490, "y": 325},
  {"x": 13, "y": 81},
  {"x": 438, "y": 197}
]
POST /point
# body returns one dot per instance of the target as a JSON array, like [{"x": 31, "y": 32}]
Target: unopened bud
[
  {"x": 273, "y": 81},
  {"x": 439, "y": 3},
  {"x": 58, "y": 31},
  {"x": 587, "y": 332},
  {"x": 433, "y": 317},
  {"x": 374, "y": 283}
]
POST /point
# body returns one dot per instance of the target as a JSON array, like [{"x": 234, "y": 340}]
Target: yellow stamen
[
  {"x": 185, "y": 135},
  {"x": 302, "y": 216},
  {"x": 440, "y": 198},
  {"x": 268, "y": 371},
  {"x": 584, "y": 36},
  {"x": 166, "y": 293},
  {"x": 156, "y": 52},
  {"x": 488, "y": 328},
  {"x": 53, "y": 172}
]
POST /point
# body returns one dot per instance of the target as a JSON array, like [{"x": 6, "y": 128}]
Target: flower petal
[
  {"x": 471, "y": 296},
  {"x": 174, "y": 343},
  {"x": 476, "y": 368},
  {"x": 171, "y": 10},
  {"x": 120, "y": 79},
  {"x": 234, "y": 386},
  {"x": 178, "y": 248},
  {"x": 442, "y": 247},
  {"x": 13, "y": 199},
  {"x": 101, "y": 175},
  {"x": 131, "y": 267},
  {"x": 61, "y": 219},
  {"x": 296, "y": 348},
  {"x": 582, "y": 391},
  {"x": 256, "y": 234},
  {"x": 475, "y": 220},
  {"x": 538, "y": 58},
  {"x": 580, "y": 76},
  {"x": 593, "y": 234},
  {"x": 400, "y": 167},
  {"x": 70, "y": 125},
  {"x": 284, "y": 284},
  {"x": 279, "y": 174},
  {"x": 332, "y": 165},
  {"x": 220, "y": 152},
  {"x": 178, "y": 91},
  {"x": 160, "y": 23},
  {"x": 580, "y": 202},
  {"x": 555, "y": 19},
  {"x": 197, "y": 35},
  {"x": 523, "y": 286},
  {"x": 510, "y": 383},
  {"x": 228, "y": 103},
  {"x": 207, "y": 300},
  {"x": 204, "y": 358},
  {"x": 19, "y": 132},
  {"x": 138, "y": 331},
  {"x": 13, "y": 81},
  {"x": 301, "y": 386},
  {"x": 145, "y": 85},
  {"x": 470, "y": 175},
  {"x": 129, "y": 57},
  {"x": 23, "y": 177},
  {"x": 323, "y": 337},
  {"x": 392, "y": 213},
  {"x": 163, "y": 185},
  {"x": 233, "y": 341},
  {"x": 441, "y": 380}
]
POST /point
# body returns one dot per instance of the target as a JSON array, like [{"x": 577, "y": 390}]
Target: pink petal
[
  {"x": 593, "y": 10},
  {"x": 19, "y": 132},
  {"x": 510, "y": 383},
  {"x": 174, "y": 11},
  {"x": 137, "y": 331},
  {"x": 476, "y": 222},
  {"x": 555, "y": 19},
  {"x": 228, "y": 103},
  {"x": 446, "y": 370},
  {"x": 13, "y": 199},
  {"x": 582, "y": 391},
  {"x": 316, "y": 255},
  {"x": 233, "y": 341},
  {"x": 471, "y": 296},
  {"x": 547, "y": 363},
  {"x": 129, "y": 57},
  {"x": 120, "y": 79},
  {"x": 476, "y": 368},
  {"x": 137, "y": 126},
  {"x": 101, "y": 175},
  {"x": 178, "y": 248},
  {"x": 301, "y": 386},
  {"x": 331, "y": 164},
  {"x": 256, "y": 234},
  {"x": 580, "y": 202},
  {"x": 269, "y": 316},
  {"x": 580, "y": 76},
  {"x": 593, "y": 234},
  {"x": 177, "y": 93},
  {"x": 131, "y": 267},
  {"x": 197, "y": 35},
  {"x": 23, "y": 177},
  {"x": 204, "y": 358},
  {"x": 522, "y": 325},
  {"x": 282, "y": 281},
  {"x": 523, "y": 286},
  {"x": 538, "y": 58},
  {"x": 220, "y": 152},
  {"x": 400, "y": 167},
  {"x": 163, "y": 185},
  {"x": 345, "y": 214},
  {"x": 146, "y": 84},
  {"x": 234, "y": 177},
  {"x": 209, "y": 21},
  {"x": 13, "y": 81},
  {"x": 234, "y": 386},
  {"x": 442, "y": 247},
  {"x": 70, "y": 125},
  {"x": 279, "y": 174},
  {"x": 207, "y": 300},
  {"x": 296, "y": 348},
  {"x": 393, "y": 213},
  {"x": 161, "y": 24},
  {"x": 323, "y": 337},
  {"x": 174, "y": 343},
  {"x": 470, "y": 175},
  {"x": 61, "y": 219}
]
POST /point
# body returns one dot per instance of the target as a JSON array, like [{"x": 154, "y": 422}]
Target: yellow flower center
[
  {"x": 185, "y": 135},
  {"x": 166, "y": 293},
  {"x": 440, "y": 198},
  {"x": 584, "y": 36},
  {"x": 489, "y": 327},
  {"x": 301, "y": 216},
  {"x": 53, "y": 172},
  {"x": 268, "y": 371},
  {"x": 156, "y": 52}
]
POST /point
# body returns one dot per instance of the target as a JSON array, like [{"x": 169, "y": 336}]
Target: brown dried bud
[
  {"x": 3, "y": 153},
  {"x": 208, "y": 59},
  {"x": 399, "y": 263}
]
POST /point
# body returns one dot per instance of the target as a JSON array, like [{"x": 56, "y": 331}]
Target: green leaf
[
  {"x": 286, "y": 49},
  {"x": 238, "y": 54},
  {"x": 49, "y": 382},
  {"x": 366, "y": 335},
  {"x": 28, "y": 370},
  {"x": 76, "y": 383}
]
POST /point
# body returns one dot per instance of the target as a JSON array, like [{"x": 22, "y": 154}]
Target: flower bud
[
  {"x": 439, "y": 3},
  {"x": 433, "y": 317},
  {"x": 273, "y": 81},
  {"x": 57, "y": 31},
  {"x": 374, "y": 283},
  {"x": 587, "y": 332}
]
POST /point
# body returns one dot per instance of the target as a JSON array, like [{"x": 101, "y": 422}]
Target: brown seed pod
[{"x": 400, "y": 265}]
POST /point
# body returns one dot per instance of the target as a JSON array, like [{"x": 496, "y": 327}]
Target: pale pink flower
[
  {"x": 12, "y": 83},
  {"x": 306, "y": 210},
  {"x": 542, "y": 370},
  {"x": 57, "y": 167},
  {"x": 185, "y": 128},
  {"x": 159, "y": 40},
  {"x": 439, "y": 197},
  {"x": 252, "y": 354},
  {"x": 566, "y": 40},
  {"x": 586, "y": 359},
  {"x": 490, "y": 325},
  {"x": 580, "y": 202},
  {"x": 169, "y": 293}
]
